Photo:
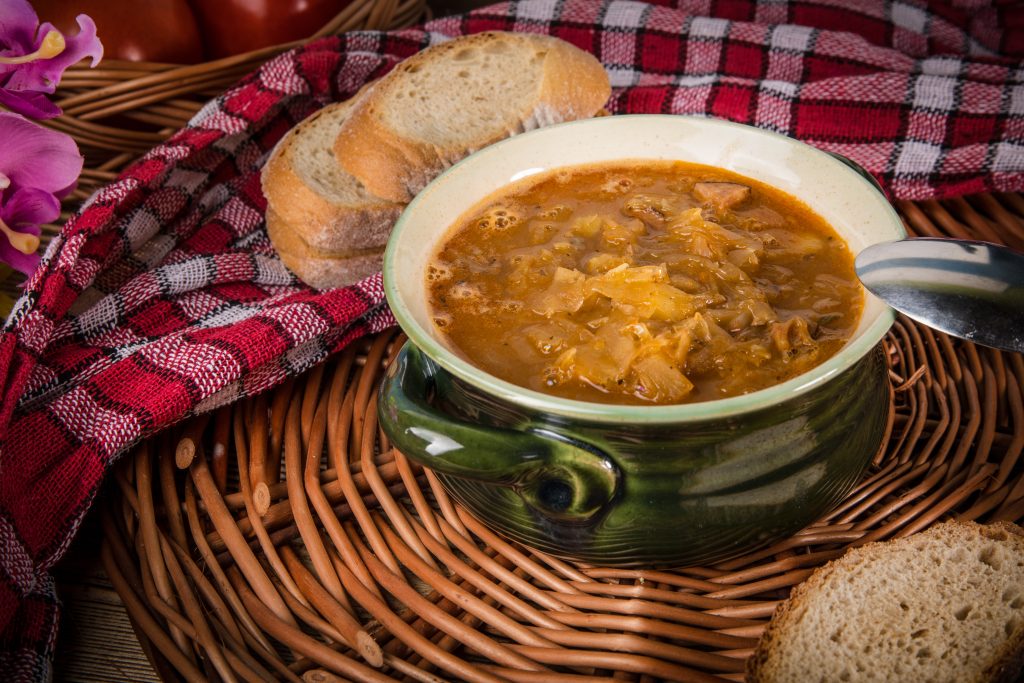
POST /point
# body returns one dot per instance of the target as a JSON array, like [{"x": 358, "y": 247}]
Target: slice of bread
[
  {"x": 320, "y": 269},
  {"x": 452, "y": 99},
  {"x": 946, "y": 604},
  {"x": 328, "y": 209}
]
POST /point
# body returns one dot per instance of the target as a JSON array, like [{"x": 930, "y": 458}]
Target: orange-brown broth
[{"x": 638, "y": 283}]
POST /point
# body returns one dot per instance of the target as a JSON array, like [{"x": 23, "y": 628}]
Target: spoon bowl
[{"x": 967, "y": 289}]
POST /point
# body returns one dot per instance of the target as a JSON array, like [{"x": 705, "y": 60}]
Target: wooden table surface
[{"x": 96, "y": 642}]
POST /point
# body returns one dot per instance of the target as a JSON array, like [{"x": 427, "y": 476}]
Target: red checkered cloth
[{"x": 163, "y": 298}]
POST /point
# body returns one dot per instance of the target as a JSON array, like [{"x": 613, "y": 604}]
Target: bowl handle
[{"x": 559, "y": 476}]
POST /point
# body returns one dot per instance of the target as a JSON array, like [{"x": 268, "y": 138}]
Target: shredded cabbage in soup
[{"x": 646, "y": 282}]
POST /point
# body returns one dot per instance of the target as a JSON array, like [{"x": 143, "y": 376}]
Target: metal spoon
[{"x": 971, "y": 290}]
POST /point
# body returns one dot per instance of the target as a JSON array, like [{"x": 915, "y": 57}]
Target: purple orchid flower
[
  {"x": 20, "y": 217},
  {"x": 33, "y": 57},
  {"x": 38, "y": 166}
]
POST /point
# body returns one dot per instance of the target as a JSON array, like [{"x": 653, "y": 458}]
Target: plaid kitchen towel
[{"x": 163, "y": 298}]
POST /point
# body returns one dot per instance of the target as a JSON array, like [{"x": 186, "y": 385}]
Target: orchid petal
[
  {"x": 24, "y": 211},
  {"x": 33, "y": 156},
  {"x": 27, "y": 208},
  {"x": 35, "y": 105},
  {"x": 18, "y": 22},
  {"x": 43, "y": 75},
  {"x": 83, "y": 44},
  {"x": 24, "y": 263}
]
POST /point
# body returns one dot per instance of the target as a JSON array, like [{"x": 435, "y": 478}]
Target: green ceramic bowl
[{"x": 638, "y": 485}]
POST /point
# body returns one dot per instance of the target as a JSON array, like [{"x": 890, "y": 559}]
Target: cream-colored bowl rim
[{"x": 394, "y": 269}]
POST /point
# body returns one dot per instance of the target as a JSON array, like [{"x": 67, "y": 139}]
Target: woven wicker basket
[
  {"x": 283, "y": 538},
  {"x": 120, "y": 110}
]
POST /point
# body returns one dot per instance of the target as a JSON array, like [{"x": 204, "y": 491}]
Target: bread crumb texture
[
  {"x": 455, "y": 98},
  {"x": 486, "y": 75},
  {"x": 314, "y": 160},
  {"x": 946, "y": 604}
]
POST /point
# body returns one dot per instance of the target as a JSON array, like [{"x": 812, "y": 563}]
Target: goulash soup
[{"x": 644, "y": 282}]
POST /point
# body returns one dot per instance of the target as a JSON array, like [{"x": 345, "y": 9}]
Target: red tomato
[
  {"x": 136, "y": 30},
  {"x": 234, "y": 26}
]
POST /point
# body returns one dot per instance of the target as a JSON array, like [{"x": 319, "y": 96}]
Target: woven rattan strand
[{"x": 282, "y": 537}]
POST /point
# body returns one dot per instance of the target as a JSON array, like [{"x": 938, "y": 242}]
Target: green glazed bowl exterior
[
  {"x": 683, "y": 494},
  {"x": 638, "y": 485}
]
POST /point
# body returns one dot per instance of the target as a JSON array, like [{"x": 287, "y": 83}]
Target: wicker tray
[{"x": 282, "y": 538}]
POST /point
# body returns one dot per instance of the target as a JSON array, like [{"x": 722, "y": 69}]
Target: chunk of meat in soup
[{"x": 722, "y": 196}]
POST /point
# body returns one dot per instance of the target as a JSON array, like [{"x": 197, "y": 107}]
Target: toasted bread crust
[
  {"x": 360, "y": 223},
  {"x": 1008, "y": 666},
  {"x": 573, "y": 85},
  {"x": 327, "y": 273},
  {"x": 320, "y": 269}
]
